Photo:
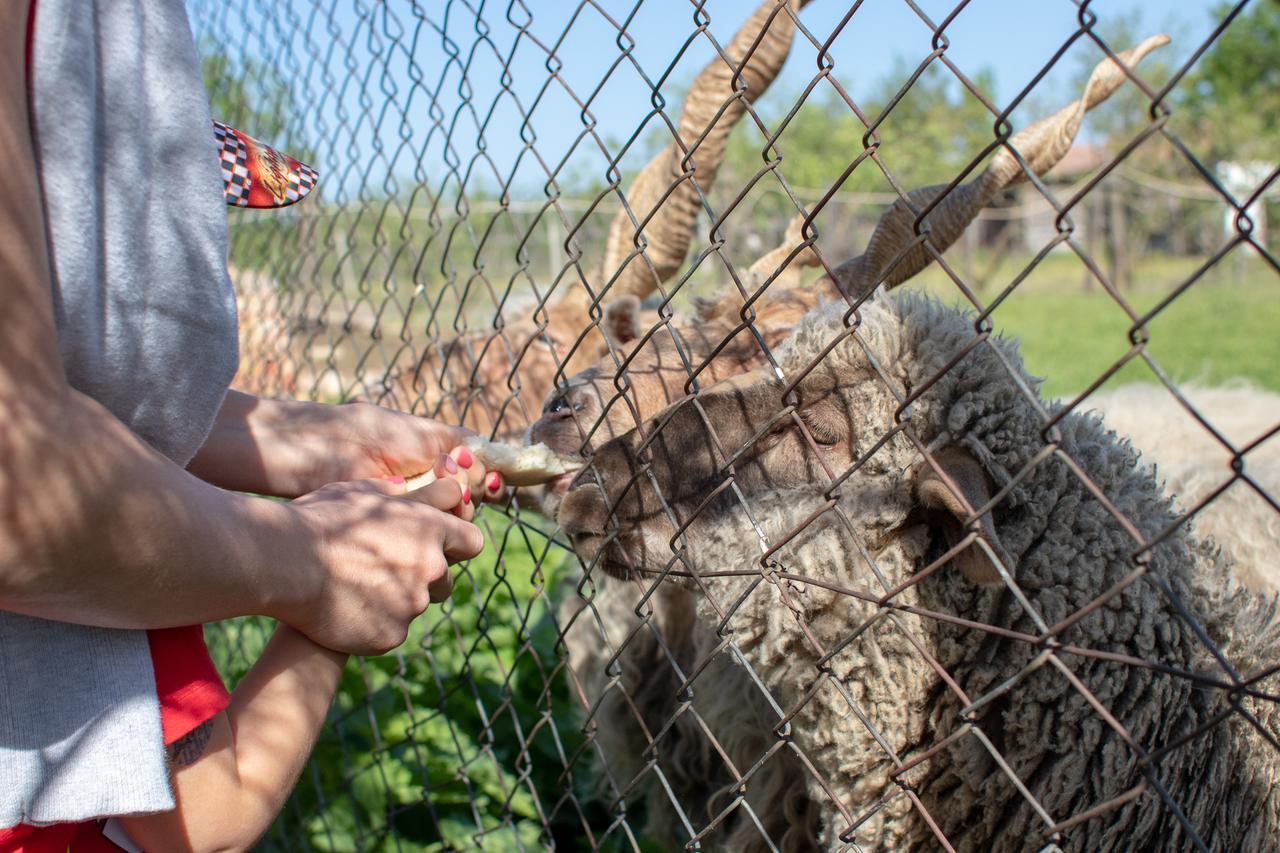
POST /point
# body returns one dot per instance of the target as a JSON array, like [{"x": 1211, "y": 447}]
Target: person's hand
[
  {"x": 384, "y": 556},
  {"x": 386, "y": 443},
  {"x": 359, "y": 441},
  {"x": 287, "y": 448}
]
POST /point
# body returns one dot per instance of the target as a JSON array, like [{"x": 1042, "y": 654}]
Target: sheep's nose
[
  {"x": 584, "y": 515},
  {"x": 565, "y": 403}
]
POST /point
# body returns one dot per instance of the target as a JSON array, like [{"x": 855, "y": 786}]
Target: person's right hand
[{"x": 383, "y": 552}]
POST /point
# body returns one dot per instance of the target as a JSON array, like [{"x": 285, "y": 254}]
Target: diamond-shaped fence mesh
[{"x": 839, "y": 571}]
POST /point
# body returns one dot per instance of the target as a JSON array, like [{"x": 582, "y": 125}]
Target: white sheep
[{"x": 947, "y": 709}]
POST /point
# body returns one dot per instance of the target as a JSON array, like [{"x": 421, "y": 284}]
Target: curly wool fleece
[{"x": 878, "y": 701}]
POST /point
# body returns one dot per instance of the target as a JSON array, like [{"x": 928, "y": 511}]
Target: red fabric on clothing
[
  {"x": 189, "y": 687},
  {"x": 190, "y": 692},
  {"x": 74, "y": 837},
  {"x": 39, "y": 839}
]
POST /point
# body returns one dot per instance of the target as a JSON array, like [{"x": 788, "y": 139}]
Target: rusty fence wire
[{"x": 839, "y": 570}]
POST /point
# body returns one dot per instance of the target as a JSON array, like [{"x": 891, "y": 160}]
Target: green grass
[{"x": 1225, "y": 327}]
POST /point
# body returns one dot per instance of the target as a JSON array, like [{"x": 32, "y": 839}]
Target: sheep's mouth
[
  {"x": 560, "y": 485},
  {"x": 607, "y": 553}
]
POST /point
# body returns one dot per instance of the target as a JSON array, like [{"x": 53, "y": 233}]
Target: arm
[
  {"x": 93, "y": 521},
  {"x": 232, "y": 775}
]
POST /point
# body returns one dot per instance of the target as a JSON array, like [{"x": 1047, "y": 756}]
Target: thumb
[{"x": 381, "y": 486}]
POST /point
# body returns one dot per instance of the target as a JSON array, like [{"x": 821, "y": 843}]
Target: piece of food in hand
[{"x": 519, "y": 466}]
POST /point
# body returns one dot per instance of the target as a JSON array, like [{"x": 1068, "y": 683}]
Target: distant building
[
  {"x": 1242, "y": 180},
  {"x": 1032, "y": 214}
]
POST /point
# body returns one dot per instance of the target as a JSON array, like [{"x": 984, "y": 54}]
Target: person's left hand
[
  {"x": 287, "y": 448},
  {"x": 359, "y": 441}
]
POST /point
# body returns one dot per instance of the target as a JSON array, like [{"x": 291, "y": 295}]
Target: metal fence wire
[{"x": 851, "y": 581}]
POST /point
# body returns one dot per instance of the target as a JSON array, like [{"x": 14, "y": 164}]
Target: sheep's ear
[
  {"x": 622, "y": 319},
  {"x": 940, "y": 500}
]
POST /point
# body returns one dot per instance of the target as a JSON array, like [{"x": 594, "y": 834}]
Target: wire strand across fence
[{"x": 582, "y": 223}]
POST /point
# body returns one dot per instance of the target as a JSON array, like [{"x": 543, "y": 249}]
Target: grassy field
[{"x": 1225, "y": 327}]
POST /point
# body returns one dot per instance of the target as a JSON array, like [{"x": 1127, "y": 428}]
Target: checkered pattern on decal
[
  {"x": 301, "y": 181},
  {"x": 235, "y": 169}
]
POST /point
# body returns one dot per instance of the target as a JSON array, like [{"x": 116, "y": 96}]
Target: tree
[
  {"x": 936, "y": 115},
  {"x": 1233, "y": 93}
]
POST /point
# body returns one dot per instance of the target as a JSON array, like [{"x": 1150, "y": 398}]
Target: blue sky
[{"x": 1012, "y": 38}]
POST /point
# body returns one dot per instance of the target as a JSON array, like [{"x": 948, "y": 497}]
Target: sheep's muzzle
[
  {"x": 623, "y": 510},
  {"x": 609, "y": 529}
]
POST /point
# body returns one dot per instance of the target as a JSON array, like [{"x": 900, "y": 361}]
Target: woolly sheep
[
  {"x": 861, "y": 681},
  {"x": 641, "y": 695},
  {"x": 630, "y": 654}
]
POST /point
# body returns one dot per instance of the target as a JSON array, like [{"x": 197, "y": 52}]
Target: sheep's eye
[{"x": 823, "y": 433}]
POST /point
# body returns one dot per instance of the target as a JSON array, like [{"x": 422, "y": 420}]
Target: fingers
[
  {"x": 472, "y": 469},
  {"x": 448, "y": 468},
  {"x": 493, "y": 488},
  {"x": 461, "y": 540},
  {"x": 447, "y": 496}
]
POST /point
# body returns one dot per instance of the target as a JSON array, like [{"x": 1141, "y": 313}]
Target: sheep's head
[
  {"x": 654, "y": 363},
  {"x": 613, "y": 397},
  {"x": 755, "y": 456}
]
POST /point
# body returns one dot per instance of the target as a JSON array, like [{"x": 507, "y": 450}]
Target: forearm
[
  {"x": 232, "y": 781},
  {"x": 98, "y": 528},
  {"x": 276, "y": 714},
  {"x": 268, "y": 447}
]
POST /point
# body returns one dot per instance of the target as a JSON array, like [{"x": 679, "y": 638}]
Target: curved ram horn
[
  {"x": 709, "y": 115},
  {"x": 771, "y": 263},
  {"x": 1041, "y": 145}
]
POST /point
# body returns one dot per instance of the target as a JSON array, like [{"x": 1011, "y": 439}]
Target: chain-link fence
[{"x": 843, "y": 580}]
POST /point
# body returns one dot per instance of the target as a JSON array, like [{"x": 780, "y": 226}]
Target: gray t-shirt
[{"x": 147, "y": 326}]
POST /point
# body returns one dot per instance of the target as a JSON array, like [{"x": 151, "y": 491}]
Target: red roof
[{"x": 1078, "y": 160}]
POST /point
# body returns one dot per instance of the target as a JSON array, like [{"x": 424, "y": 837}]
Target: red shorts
[{"x": 190, "y": 691}]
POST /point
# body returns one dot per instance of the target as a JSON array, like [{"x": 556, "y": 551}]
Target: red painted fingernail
[
  {"x": 398, "y": 480},
  {"x": 464, "y": 458},
  {"x": 493, "y": 481},
  {"x": 466, "y": 494}
]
